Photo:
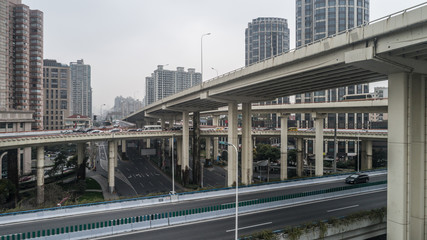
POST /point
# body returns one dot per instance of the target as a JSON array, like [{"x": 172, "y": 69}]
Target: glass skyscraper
[
  {"x": 266, "y": 37},
  {"x": 317, "y": 19}
]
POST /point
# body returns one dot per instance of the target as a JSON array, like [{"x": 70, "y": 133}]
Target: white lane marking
[
  {"x": 338, "y": 209},
  {"x": 257, "y": 225}
]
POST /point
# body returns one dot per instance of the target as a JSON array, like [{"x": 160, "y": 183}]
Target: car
[
  {"x": 357, "y": 178},
  {"x": 132, "y": 130},
  {"x": 95, "y": 131},
  {"x": 67, "y": 131},
  {"x": 115, "y": 130},
  {"x": 139, "y": 130}
]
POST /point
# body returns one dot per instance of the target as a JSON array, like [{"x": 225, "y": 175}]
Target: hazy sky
[{"x": 125, "y": 40}]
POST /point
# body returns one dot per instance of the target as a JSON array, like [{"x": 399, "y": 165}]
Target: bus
[
  {"x": 152, "y": 128},
  {"x": 361, "y": 96}
]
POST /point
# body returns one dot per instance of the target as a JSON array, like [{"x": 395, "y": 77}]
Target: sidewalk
[{"x": 104, "y": 185}]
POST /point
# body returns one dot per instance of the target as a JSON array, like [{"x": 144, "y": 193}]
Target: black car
[{"x": 357, "y": 178}]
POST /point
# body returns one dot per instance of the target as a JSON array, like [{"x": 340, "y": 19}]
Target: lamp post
[
  {"x": 201, "y": 52},
  {"x": 215, "y": 71},
  {"x": 237, "y": 188}
]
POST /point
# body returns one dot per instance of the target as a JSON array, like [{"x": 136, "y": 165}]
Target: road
[
  {"x": 135, "y": 177},
  {"x": 167, "y": 207},
  {"x": 270, "y": 219}
]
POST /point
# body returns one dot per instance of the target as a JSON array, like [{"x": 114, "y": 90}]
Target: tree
[
  {"x": 7, "y": 191},
  {"x": 265, "y": 151},
  {"x": 59, "y": 164}
]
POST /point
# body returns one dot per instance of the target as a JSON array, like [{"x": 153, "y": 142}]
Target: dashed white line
[
  {"x": 338, "y": 209},
  {"x": 257, "y": 225}
]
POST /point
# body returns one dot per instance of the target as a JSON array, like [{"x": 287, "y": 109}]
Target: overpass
[{"x": 392, "y": 48}]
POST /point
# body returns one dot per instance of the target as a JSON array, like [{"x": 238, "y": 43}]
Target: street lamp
[
  {"x": 237, "y": 187},
  {"x": 215, "y": 71},
  {"x": 201, "y": 52}
]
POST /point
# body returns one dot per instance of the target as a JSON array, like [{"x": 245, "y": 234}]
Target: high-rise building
[
  {"x": 317, "y": 19},
  {"x": 125, "y": 106},
  {"x": 57, "y": 97},
  {"x": 21, "y": 59},
  {"x": 265, "y": 37},
  {"x": 163, "y": 83},
  {"x": 81, "y": 90}
]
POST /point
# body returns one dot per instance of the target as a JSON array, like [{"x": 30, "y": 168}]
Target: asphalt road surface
[
  {"x": 274, "y": 219},
  {"x": 167, "y": 207}
]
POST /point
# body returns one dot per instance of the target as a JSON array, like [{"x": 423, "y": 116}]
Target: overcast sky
[{"x": 125, "y": 40}]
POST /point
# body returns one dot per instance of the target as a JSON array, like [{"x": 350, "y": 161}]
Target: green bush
[
  {"x": 7, "y": 190},
  {"x": 92, "y": 184}
]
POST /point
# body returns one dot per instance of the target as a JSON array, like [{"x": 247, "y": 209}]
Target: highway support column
[
  {"x": 318, "y": 124},
  {"x": 81, "y": 168},
  {"x": 284, "y": 146},
  {"x": 208, "y": 148},
  {"x": 300, "y": 162},
  {"x": 179, "y": 151},
  {"x": 112, "y": 156},
  {"x": 40, "y": 175},
  {"x": 185, "y": 141},
  {"x": 247, "y": 148},
  {"x": 215, "y": 122},
  {"x": 233, "y": 139},
  {"x": 366, "y": 154},
  {"x": 406, "y": 201}
]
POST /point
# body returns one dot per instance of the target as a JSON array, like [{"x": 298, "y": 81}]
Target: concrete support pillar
[
  {"x": 116, "y": 159},
  {"x": 179, "y": 151},
  {"x": 112, "y": 155},
  {"x": 300, "y": 162},
  {"x": 148, "y": 143},
  {"x": 318, "y": 124},
  {"x": 233, "y": 139},
  {"x": 215, "y": 121},
  {"x": 123, "y": 146},
  {"x": 27, "y": 161},
  {"x": 366, "y": 155},
  {"x": 185, "y": 141},
  {"x": 40, "y": 175},
  {"x": 81, "y": 168},
  {"x": 247, "y": 148},
  {"x": 284, "y": 146},
  {"x": 208, "y": 148},
  {"x": 406, "y": 201},
  {"x": 80, "y": 153},
  {"x": 18, "y": 162}
]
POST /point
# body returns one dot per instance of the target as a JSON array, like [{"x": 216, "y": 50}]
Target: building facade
[
  {"x": 21, "y": 59},
  {"x": 317, "y": 19},
  {"x": 163, "y": 83},
  {"x": 265, "y": 37},
  {"x": 57, "y": 96},
  {"x": 81, "y": 89},
  {"x": 125, "y": 106}
]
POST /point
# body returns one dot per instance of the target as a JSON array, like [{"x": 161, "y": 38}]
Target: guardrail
[
  {"x": 161, "y": 199},
  {"x": 189, "y": 215}
]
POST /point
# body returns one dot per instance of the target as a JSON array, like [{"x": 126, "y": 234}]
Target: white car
[
  {"x": 96, "y": 131},
  {"x": 67, "y": 131}
]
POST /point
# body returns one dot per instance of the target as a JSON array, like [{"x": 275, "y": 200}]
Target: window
[
  {"x": 64, "y": 83},
  {"x": 63, "y": 94}
]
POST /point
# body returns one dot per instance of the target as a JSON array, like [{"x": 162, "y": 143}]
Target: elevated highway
[{"x": 392, "y": 48}]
